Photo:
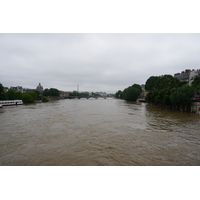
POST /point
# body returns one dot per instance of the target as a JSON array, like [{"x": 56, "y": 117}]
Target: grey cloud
[{"x": 105, "y": 62}]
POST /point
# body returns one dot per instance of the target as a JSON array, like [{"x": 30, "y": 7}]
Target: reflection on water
[{"x": 97, "y": 132}]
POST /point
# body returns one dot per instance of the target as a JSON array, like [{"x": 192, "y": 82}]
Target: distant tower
[{"x": 39, "y": 88}]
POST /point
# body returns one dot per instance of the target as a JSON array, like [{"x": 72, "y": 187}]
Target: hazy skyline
[{"x": 96, "y": 62}]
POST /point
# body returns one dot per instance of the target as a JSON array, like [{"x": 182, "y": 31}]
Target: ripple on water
[{"x": 97, "y": 132}]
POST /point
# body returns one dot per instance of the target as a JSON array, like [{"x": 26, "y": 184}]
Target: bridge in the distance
[{"x": 91, "y": 97}]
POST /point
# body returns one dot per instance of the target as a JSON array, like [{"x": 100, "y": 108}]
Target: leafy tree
[
  {"x": 138, "y": 87},
  {"x": 85, "y": 94},
  {"x": 95, "y": 94},
  {"x": 151, "y": 96},
  {"x": 167, "y": 81},
  {"x": 18, "y": 95},
  {"x": 182, "y": 96},
  {"x": 10, "y": 94},
  {"x": 53, "y": 92},
  {"x": 181, "y": 83},
  {"x": 152, "y": 83},
  {"x": 2, "y": 93},
  {"x": 27, "y": 98},
  {"x": 37, "y": 94},
  {"x": 46, "y": 92},
  {"x": 76, "y": 94},
  {"x": 71, "y": 94},
  {"x": 196, "y": 83},
  {"x": 160, "y": 89},
  {"x": 33, "y": 95},
  {"x": 160, "y": 82},
  {"x": 119, "y": 94},
  {"x": 44, "y": 99},
  {"x": 132, "y": 93},
  {"x": 162, "y": 97}
]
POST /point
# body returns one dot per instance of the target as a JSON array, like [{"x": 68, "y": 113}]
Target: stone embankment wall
[{"x": 195, "y": 108}]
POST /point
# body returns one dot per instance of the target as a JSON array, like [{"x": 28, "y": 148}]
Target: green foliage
[
  {"x": 45, "y": 92},
  {"x": 37, "y": 94},
  {"x": 119, "y": 95},
  {"x": 18, "y": 95},
  {"x": 84, "y": 94},
  {"x": 167, "y": 90},
  {"x": 182, "y": 96},
  {"x": 152, "y": 83},
  {"x": 162, "y": 97},
  {"x": 33, "y": 95},
  {"x": 45, "y": 99},
  {"x": 161, "y": 82},
  {"x": 52, "y": 92},
  {"x": 168, "y": 82},
  {"x": 10, "y": 94},
  {"x": 2, "y": 93},
  {"x": 182, "y": 83},
  {"x": 79, "y": 95},
  {"x": 132, "y": 93},
  {"x": 151, "y": 96},
  {"x": 196, "y": 83},
  {"x": 27, "y": 98},
  {"x": 74, "y": 94},
  {"x": 137, "y": 87},
  {"x": 95, "y": 94}
]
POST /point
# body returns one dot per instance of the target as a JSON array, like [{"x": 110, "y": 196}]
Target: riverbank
[{"x": 195, "y": 108}]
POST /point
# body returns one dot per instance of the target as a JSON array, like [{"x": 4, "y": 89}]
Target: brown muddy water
[{"x": 99, "y": 132}]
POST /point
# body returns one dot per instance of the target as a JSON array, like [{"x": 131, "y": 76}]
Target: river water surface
[{"x": 94, "y": 132}]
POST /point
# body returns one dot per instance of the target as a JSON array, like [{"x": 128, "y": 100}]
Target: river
[{"x": 97, "y": 132}]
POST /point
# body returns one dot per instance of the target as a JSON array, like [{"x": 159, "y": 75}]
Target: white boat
[
  {"x": 1, "y": 106},
  {"x": 11, "y": 102}
]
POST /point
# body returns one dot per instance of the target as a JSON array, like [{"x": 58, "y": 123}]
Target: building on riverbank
[
  {"x": 188, "y": 75},
  {"x": 18, "y": 88},
  {"x": 195, "y": 108},
  {"x": 193, "y": 75},
  {"x": 40, "y": 88},
  {"x": 183, "y": 76},
  {"x": 64, "y": 94},
  {"x": 5, "y": 89}
]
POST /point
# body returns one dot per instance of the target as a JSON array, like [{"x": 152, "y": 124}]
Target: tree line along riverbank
[
  {"x": 165, "y": 91},
  {"x": 44, "y": 96},
  {"x": 30, "y": 96}
]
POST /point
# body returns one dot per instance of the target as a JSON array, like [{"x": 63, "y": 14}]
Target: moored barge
[{"x": 11, "y": 103}]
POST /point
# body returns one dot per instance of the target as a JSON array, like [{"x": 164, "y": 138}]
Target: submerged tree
[
  {"x": 44, "y": 99},
  {"x": 2, "y": 93},
  {"x": 152, "y": 83},
  {"x": 119, "y": 94},
  {"x": 132, "y": 93},
  {"x": 27, "y": 98},
  {"x": 182, "y": 96}
]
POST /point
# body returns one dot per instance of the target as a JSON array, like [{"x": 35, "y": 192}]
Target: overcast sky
[{"x": 95, "y": 62}]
